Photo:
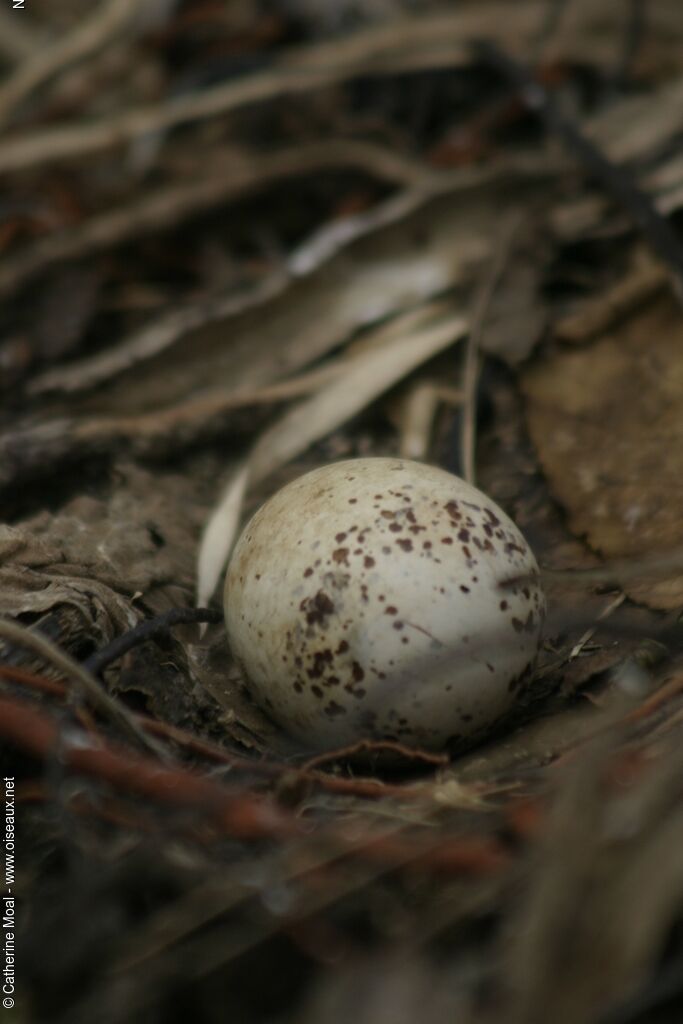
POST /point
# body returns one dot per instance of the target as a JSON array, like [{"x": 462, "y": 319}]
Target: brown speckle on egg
[{"x": 341, "y": 556}]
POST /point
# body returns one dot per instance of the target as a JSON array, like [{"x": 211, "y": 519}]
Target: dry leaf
[
  {"x": 219, "y": 535},
  {"x": 404, "y": 344},
  {"x": 607, "y": 422},
  {"x": 88, "y": 561},
  {"x": 433, "y": 248}
]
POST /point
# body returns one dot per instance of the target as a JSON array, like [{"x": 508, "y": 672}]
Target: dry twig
[
  {"x": 231, "y": 175},
  {"x": 85, "y": 40},
  {"x": 19, "y": 636},
  {"x": 301, "y": 71},
  {"x": 376, "y": 747},
  {"x": 616, "y": 179},
  {"x": 239, "y": 814},
  {"x": 409, "y": 42},
  {"x": 406, "y": 342},
  {"x": 480, "y": 308}
]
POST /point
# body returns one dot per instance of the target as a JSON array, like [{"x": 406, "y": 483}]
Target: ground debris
[{"x": 242, "y": 240}]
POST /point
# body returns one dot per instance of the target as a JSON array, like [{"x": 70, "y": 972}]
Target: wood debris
[{"x": 238, "y": 241}]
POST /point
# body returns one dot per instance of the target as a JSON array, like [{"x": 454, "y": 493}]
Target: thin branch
[
  {"x": 314, "y": 252},
  {"x": 662, "y": 565},
  {"x": 482, "y": 303},
  {"x": 241, "y": 815},
  {"x": 40, "y": 683},
  {"x": 634, "y": 37},
  {"x": 158, "y": 626},
  {"x": 376, "y": 747},
  {"x": 231, "y": 175},
  {"x": 356, "y": 786},
  {"x": 20, "y": 636},
  {"x": 89, "y": 36},
  {"x": 158, "y": 335},
  {"x": 300, "y": 70},
  {"x": 615, "y": 179},
  {"x": 590, "y": 633},
  {"x": 601, "y": 311}
]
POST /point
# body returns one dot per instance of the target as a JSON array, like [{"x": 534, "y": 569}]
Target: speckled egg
[{"x": 366, "y": 599}]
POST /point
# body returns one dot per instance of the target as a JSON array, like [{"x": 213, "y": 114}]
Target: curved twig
[
  {"x": 85, "y": 40},
  {"x": 157, "y": 626},
  {"x": 20, "y": 636}
]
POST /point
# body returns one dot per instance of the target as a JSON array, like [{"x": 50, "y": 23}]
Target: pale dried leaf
[
  {"x": 367, "y": 375},
  {"x": 366, "y": 378},
  {"x": 434, "y": 247},
  {"x": 220, "y": 534},
  {"x": 416, "y": 419}
]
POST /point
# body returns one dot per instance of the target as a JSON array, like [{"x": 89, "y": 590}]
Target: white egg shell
[{"x": 364, "y": 600}]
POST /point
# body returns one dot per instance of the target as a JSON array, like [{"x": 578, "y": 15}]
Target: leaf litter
[{"x": 300, "y": 300}]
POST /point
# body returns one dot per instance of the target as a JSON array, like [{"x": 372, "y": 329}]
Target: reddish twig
[
  {"x": 36, "y": 792},
  {"x": 376, "y": 747},
  {"x": 656, "y": 700},
  {"x": 362, "y": 787},
  {"x": 471, "y": 855},
  {"x": 243, "y": 816},
  {"x": 20, "y": 675},
  {"x": 16, "y": 635}
]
